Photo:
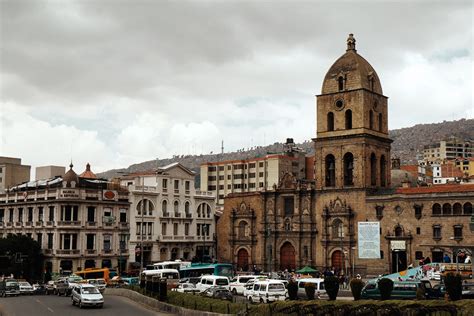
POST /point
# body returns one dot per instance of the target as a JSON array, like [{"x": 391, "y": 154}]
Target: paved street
[{"x": 53, "y": 305}]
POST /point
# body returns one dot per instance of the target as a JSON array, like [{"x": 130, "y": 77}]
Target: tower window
[
  {"x": 348, "y": 169},
  {"x": 340, "y": 82},
  {"x": 330, "y": 121},
  {"x": 348, "y": 116},
  {"x": 373, "y": 169},
  {"x": 382, "y": 171},
  {"x": 330, "y": 171},
  {"x": 380, "y": 122},
  {"x": 371, "y": 119}
]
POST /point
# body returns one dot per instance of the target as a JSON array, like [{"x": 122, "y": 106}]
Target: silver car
[{"x": 86, "y": 295}]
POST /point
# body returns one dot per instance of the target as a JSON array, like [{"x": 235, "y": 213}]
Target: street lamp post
[{"x": 141, "y": 233}]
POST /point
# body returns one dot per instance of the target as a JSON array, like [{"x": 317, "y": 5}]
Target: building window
[
  {"x": 186, "y": 209},
  {"x": 436, "y": 232},
  {"x": 40, "y": 239},
  {"x": 330, "y": 171},
  {"x": 382, "y": 171},
  {"x": 446, "y": 209},
  {"x": 398, "y": 231},
  {"x": 91, "y": 214},
  {"x": 418, "y": 210},
  {"x": 348, "y": 119},
  {"x": 187, "y": 186},
  {"x": 419, "y": 255},
  {"x": 436, "y": 209},
  {"x": 340, "y": 83},
  {"x": 380, "y": 122},
  {"x": 379, "y": 211},
  {"x": 330, "y": 121},
  {"x": 348, "y": 169},
  {"x": 337, "y": 229},
  {"x": 123, "y": 215},
  {"x": 457, "y": 232},
  {"x": 164, "y": 207},
  {"x": 186, "y": 229},
  {"x": 50, "y": 240},
  {"x": 163, "y": 228},
  {"x": 457, "y": 209},
  {"x": 164, "y": 183},
  {"x": 107, "y": 242},
  {"x": 373, "y": 169},
  {"x": 30, "y": 214},
  {"x": 467, "y": 208},
  {"x": 10, "y": 216},
  {"x": 289, "y": 205},
  {"x": 176, "y": 208},
  {"x": 381, "y": 254},
  {"x": 90, "y": 241},
  {"x": 51, "y": 213},
  {"x": 242, "y": 232},
  {"x": 20, "y": 214},
  {"x": 371, "y": 119}
]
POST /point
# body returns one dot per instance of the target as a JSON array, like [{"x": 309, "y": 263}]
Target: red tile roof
[{"x": 442, "y": 188}]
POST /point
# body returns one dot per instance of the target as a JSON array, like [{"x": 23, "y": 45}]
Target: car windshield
[
  {"x": 25, "y": 284},
  {"x": 90, "y": 290},
  {"x": 222, "y": 281},
  {"x": 274, "y": 287},
  {"x": 170, "y": 275},
  {"x": 11, "y": 283},
  {"x": 100, "y": 281}
]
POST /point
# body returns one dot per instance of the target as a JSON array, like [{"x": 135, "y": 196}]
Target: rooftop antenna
[{"x": 222, "y": 146}]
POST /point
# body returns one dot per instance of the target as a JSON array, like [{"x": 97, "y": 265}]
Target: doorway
[{"x": 399, "y": 260}]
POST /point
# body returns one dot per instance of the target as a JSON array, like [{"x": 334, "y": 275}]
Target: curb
[{"x": 155, "y": 304}]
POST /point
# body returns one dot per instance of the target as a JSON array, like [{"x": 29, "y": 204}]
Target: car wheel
[
  {"x": 234, "y": 291},
  {"x": 261, "y": 300},
  {"x": 100, "y": 306},
  {"x": 250, "y": 299},
  {"x": 73, "y": 303},
  {"x": 80, "y": 304}
]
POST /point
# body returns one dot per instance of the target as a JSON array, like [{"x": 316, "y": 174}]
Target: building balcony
[
  {"x": 50, "y": 223},
  {"x": 72, "y": 252},
  {"x": 124, "y": 225},
  {"x": 72, "y": 224},
  {"x": 91, "y": 224},
  {"x": 188, "y": 215},
  {"x": 48, "y": 252},
  {"x": 177, "y": 214},
  {"x": 8, "y": 224},
  {"x": 90, "y": 252},
  {"x": 39, "y": 223},
  {"x": 106, "y": 252},
  {"x": 166, "y": 214},
  {"x": 204, "y": 193},
  {"x": 28, "y": 224},
  {"x": 166, "y": 237},
  {"x": 18, "y": 224},
  {"x": 189, "y": 237}
]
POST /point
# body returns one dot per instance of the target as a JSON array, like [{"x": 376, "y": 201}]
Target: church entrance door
[
  {"x": 287, "y": 257},
  {"x": 336, "y": 260},
  {"x": 242, "y": 260},
  {"x": 399, "y": 260}
]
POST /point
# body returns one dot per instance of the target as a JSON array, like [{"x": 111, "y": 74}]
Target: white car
[
  {"x": 99, "y": 284},
  {"x": 185, "y": 288},
  {"x": 86, "y": 295},
  {"x": 237, "y": 285},
  {"x": 26, "y": 288},
  {"x": 208, "y": 281},
  {"x": 267, "y": 291}
]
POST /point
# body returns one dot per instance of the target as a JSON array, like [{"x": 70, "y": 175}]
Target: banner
[{"x": 369, "y": 240}]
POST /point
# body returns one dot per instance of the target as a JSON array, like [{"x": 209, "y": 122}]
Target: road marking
[{"x": 48, "y": 308}]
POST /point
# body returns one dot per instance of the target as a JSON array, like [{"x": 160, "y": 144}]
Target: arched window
[
  {"x": 467, "y": 208},
  {"x": 242, "y": 233},
  {"x": 147, "y": 206},
  {"x": 446, "y": 209},
  {"x": 398, "y": 231},
  {"x": 340, "y": 83},
  {"x": 380, "y": 122},
  {"x": 164, "y": 207},
  {"x": 348, "y": 169},
  {"x": 348, "y": 117},
  {"x": 436, "y": 209},
  {"x": 373, "y": 169},
  {"x": 382, "y": 171},
  {"x": 330, "y": 171},
  {"x": 330, "y": 121},
  {"x": 186, "y": 209},
  {"x": 457, "y": 209},
  {"x": 337, "y": 229},
  {"x": 176, "y": 207},
  {"x": 371, "y": 119},
  {"x": 204, "y": 209}
]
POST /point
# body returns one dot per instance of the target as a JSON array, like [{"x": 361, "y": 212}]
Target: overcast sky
[{"x": 119, "y": 82}]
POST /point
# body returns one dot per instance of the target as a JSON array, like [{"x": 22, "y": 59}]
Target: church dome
[
  {"x": 88, "y": 173},
  {"x": 351, "y": 71},
  {"x": 71, "y": 177}
]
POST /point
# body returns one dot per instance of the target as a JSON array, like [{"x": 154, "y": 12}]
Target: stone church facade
[{"x": 315, "y": 223}]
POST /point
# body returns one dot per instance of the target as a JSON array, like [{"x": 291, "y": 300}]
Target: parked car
[
  {"x": 39, "y": 289},
  {"x": 9, "y": 287},
  {"x": 185, "y": 288},
  {"x": 267, "y": 291},
  {"x": 61, "y": 287},
  {"x": 208, "y": 281},
  {"x": 49, "y": 288},
  {"x": 86, "y": 295},
  {"x": 237, "y": 285},
  {"x": 100, "y": 284},
  {"x": 401, "y": 290},
  {"x": 25, "y": 288},
  {"x": 468, "y": 291},
  {"x": 318, "y": 286},
  {"x": 218, "y": 292}
]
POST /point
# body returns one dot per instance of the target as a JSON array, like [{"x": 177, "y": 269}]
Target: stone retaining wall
[{"x": 156, "y": 305}]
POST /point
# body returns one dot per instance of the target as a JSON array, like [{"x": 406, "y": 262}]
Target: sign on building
[
  {"x": 369, "y": 240},
  {"x": 397, "y": 245}
]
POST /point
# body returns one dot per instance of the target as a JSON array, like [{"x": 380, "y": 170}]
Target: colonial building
[
  {"x": 170, "y": 218},
  {"x": 298, "y": 223},
  {"x": 79, "y": 221}
]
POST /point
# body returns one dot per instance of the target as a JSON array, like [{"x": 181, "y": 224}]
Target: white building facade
[{"x": 170, "y": 219}]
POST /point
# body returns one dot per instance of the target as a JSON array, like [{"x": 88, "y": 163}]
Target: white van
[
  {"x": 207, "y": 281},
  {"x": 318, "y": 286},
  {"x": 237, "y": 285},
  {"x": 267, "y": 291}
]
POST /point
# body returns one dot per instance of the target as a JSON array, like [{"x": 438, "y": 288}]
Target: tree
[{"x": 21, "y": 256}]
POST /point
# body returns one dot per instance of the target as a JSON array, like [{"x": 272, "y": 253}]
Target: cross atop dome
[{"x": 351, "y": 43}]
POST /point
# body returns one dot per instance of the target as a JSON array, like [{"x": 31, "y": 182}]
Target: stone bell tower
[{"x": 352, "y": 152}]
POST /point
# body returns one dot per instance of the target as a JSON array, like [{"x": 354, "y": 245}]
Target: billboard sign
[{"x": 369, "y": 240}]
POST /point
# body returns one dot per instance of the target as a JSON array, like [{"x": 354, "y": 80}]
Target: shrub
[
  {"x": 386, "y": 288},
  {"x": 293, "y": 290},
  {"x": 453, "y": 284},
  {"x": 309, "y": 288},
  {"x": 331, "y": 284},
  {"x": 356, "y": 288}
]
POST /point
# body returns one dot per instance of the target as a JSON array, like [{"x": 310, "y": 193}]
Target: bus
[
  {"x": 195, "y": 271},
  {"x": 177, "y": 264},
  {"x": 95, "y": 273}
]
